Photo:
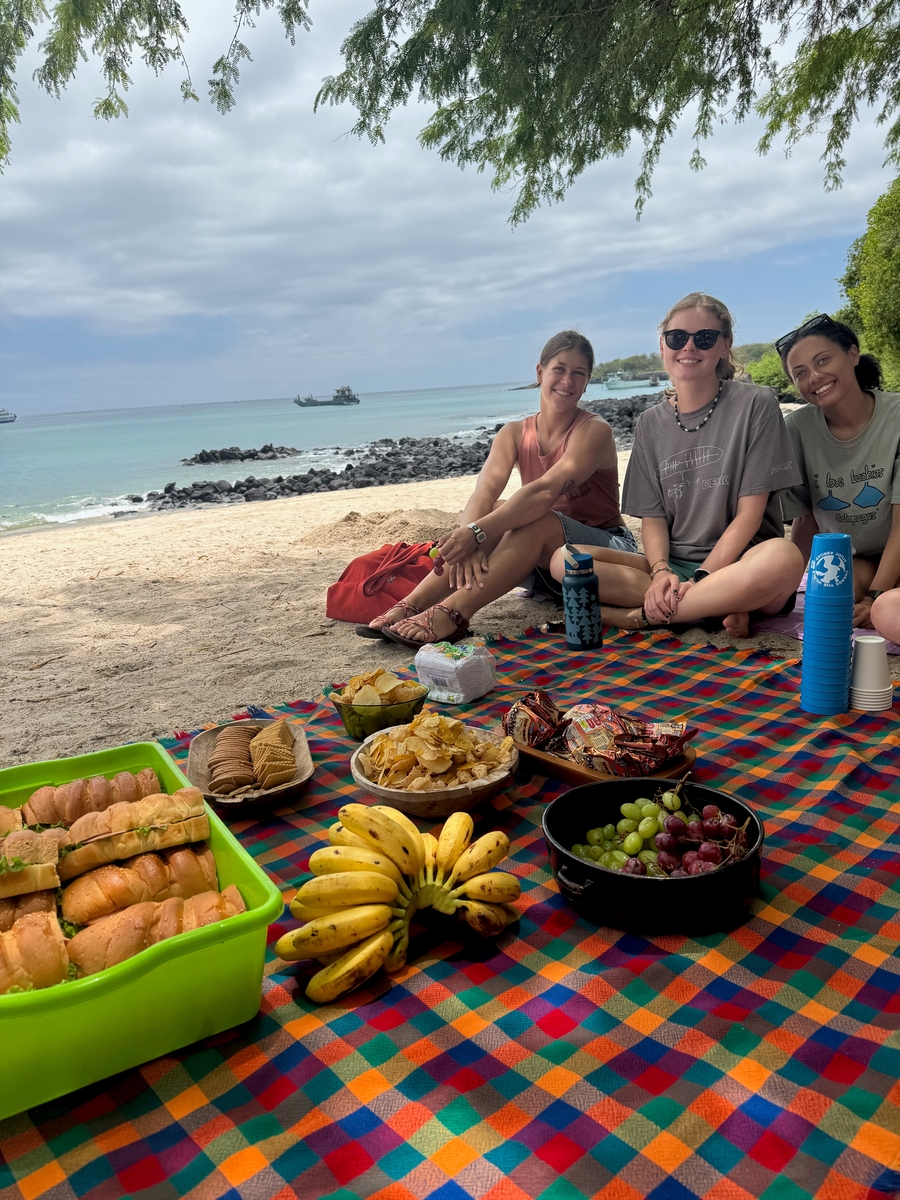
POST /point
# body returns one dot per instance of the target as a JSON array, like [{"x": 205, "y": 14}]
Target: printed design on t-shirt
[
  {"x": 869, "y": 497},
  {"x": 675, "y": 472}
]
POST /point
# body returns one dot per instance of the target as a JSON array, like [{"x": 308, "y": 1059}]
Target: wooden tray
[
  {"x": 246, "y": 799},
  {"x": 429, "y": 805},
  {"x": 576, "y": 774}
]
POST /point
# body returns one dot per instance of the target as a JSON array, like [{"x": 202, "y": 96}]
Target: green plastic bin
[{"x": 189, "y": 987}]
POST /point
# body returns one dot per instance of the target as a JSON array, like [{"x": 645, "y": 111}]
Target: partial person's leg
[
  {"x": 623, "y": 581},
  {"x": 518, "y": 553},
  {"x": 886, "y": 615},
  {"x": 762, "y": 580}
]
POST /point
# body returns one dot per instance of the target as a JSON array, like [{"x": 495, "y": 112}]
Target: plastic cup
[
  {"x": 823, "y": 708},
  {"x": 830, "y": 572},
  {"x": 870, "y": 664}
]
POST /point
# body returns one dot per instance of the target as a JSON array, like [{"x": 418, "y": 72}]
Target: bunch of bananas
[{"x": 377, "y": 873}]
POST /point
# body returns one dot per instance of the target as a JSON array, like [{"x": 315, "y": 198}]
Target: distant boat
[
  {"x": 342, "y": 395},
  {"x": 6, "y": 416},
  {"x": 619, "y": 379}
]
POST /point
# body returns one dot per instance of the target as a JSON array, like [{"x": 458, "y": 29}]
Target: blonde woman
[{"x": 707, "y": 465}]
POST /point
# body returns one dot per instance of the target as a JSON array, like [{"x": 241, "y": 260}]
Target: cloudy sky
[{"x": 182, "y": 256}]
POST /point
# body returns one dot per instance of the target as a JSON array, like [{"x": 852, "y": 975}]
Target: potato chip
[
  {"x": 366, "y": 697},
  {"x": 432, "y": 753}
]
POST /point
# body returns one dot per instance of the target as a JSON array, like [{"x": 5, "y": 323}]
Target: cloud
[{"x": 181, "y": 255}]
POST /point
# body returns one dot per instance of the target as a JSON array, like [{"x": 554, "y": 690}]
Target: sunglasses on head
[
  {"x": 704, "y": 339},
  {"x": 822, "y": 321}
]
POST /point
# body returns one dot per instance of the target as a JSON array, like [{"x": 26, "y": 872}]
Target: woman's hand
[
  {"x": 470, "y": 572},
  {"x": 458, "y": 545},
  {"x": 464, "y": 559},
  {"x": 661, "y": 599},
  {"x": 862, "y": 614}
]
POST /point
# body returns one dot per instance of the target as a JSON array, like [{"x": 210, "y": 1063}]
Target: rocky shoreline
[
  {"x": 236, "y": 454},
  {"x": 407, "y": 460}
]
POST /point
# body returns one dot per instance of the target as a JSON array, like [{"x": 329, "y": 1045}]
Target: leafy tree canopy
[
  {"x": 634, "y": 364},
  {"x": 872, "y": 284},
  {"x": 532, "y": 90}
]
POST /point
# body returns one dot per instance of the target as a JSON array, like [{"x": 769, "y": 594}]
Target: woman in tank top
[
  {"x": 570, "y": 493},
  {"x": 704, "y": 475}
]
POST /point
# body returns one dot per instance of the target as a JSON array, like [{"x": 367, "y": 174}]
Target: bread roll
[
  {"x": 124, "y": 830},
  {"x": 184, "y": 872},
  {"x": 28, "y": 862},
  {"x": 33, "y": 954},
  {"x": 10, "y": 819},
  {"x": 14, "y": 908},
  {"x": 113, "y": 939},
  {"x": 52, "y": 805}
]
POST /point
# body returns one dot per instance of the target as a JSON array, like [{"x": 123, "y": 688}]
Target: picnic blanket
[{"x": 562, "y": 1060}]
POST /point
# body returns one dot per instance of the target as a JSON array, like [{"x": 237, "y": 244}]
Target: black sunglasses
[
  {"x": 704, "y": 339},
  {"x": 786, "y": 343}
]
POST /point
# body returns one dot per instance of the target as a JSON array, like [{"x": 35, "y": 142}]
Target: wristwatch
[
  {"x": 480, "y": 535},
  {"x": 700, "y": 573},
  {"x": 874, "y": 593}
]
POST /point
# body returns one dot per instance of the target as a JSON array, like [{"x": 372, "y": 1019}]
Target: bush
[
  {"x": 872, "y": 282},
  {"x": 768, "y": 372}
]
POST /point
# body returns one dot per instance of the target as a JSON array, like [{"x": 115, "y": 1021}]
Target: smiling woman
[{"x": 847, "y": 443}]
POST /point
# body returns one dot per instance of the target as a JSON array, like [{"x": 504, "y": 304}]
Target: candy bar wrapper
[
  {"x": 604, "y": 739},
  {"x": 533, "y": 720}
]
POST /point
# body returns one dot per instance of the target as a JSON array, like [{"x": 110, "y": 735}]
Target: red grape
[
  {"x": 711, "y": 812},
  {"x": 668, "y": 862},
  {"x": 710, "y": 852},
  {"x": 688, "y": 859},
  {"x": 679, "y": 874},
  {"x": 634, "y": 866},
  {"x": 665, "y": 841},
  {"x": 730, "y": 819},
  {"x": 675, "y": 826},
  {"x": 693, "y": 832},
  {"x": 701, "y": 867},
  {"x": 712, "y": 830}
]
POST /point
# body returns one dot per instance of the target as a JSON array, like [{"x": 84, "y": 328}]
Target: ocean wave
[{"x": 86, "y": 509}]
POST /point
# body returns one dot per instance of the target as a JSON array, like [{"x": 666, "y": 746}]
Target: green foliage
[
  {"x": 535, "y": 92},
  {"x": 768, "y": 372},
  {"x": 752, "y": 350},
  {"x": 636, "y": 364},
  {"x": 872, "y": 283}
]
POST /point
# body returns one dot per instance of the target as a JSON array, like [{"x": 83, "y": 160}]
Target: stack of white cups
[{"x": 870, "y": 679}]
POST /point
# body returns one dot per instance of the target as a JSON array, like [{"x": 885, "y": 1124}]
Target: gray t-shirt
[
  {"x": 694, "y": 480},
  {"x": 849, "y": 485}
]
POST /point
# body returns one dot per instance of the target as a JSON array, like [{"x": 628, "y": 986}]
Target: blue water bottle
[{"x": 581, "y": 601}]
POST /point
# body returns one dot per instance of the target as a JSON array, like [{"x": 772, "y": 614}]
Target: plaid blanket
[{"x": 562, "y": 1060}]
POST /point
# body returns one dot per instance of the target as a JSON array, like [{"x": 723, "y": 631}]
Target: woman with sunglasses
[
  {"x": 847, "y": 444},
  {"x": 707, "y": 465}
]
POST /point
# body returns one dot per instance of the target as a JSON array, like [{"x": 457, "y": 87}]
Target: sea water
[{"x": 66, "y": 467}]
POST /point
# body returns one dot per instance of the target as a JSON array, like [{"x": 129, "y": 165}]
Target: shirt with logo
[
  {"x": 849, "y": 485},
  {"x": 694, "y": 480}
]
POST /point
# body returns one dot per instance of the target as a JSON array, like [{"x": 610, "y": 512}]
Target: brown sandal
[
  {"x": 427, "y": 624},
  {"x": 377, "y": 631}
]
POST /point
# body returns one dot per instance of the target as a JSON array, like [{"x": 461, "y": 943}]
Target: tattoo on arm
[{"x": 567, "y": 487}]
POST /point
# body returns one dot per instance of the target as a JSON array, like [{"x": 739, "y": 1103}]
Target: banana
[
  {"x": 431, "y": 845},
  {"x": 326, "y": 934},
  {"x": 486, "y": 919},
  {"x": 306, "y": 912},
  {"x": 403, "y": 820},
  {"x": 347, "y": 889},
  {"x": 351, "y": 969},
  {"x": 381, "y": 832},
  {"x": 496, "y": 887},
  {"x": 396, "y": 959},
  {"x": 481, "y": 856},
  {"x": 339, "y": 836},
  {"x": 332, "y": 859},
  {"x": 455, "y": 837}
]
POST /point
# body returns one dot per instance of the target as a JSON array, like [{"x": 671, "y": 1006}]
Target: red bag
[{"x": 371, "y": 584}]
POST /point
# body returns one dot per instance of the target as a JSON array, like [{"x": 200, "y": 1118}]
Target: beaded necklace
[{"x": 684, "y": 428}]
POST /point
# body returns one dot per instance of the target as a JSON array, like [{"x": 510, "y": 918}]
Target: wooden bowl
[
  {"x": 572, "y": 772},
  {"x": 248, "y": 798},
  {"x": 448, "y": 800}
]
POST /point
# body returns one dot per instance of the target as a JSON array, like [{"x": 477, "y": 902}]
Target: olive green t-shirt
[
  {"x": 849, "y": 485},
  {"x": 694, "y": 480}
]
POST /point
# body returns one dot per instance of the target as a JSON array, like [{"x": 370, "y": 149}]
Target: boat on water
[
  {"x": 342, "y": 395},
  {"x": 6, "y": 416},
  {"x": 619, "y": 379}
]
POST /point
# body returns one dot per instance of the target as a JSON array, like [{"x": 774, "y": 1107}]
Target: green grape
[
  {"x": 631, "y": 811},
  {"x": 648, "y": 856},
  {"x": 671, "y": 800},
  {"x": 608, "y": 845},
  {"x": 620, "y": 857},
  {"x": 577, "y": 848},
  {"x": 608, "y": 861},
  {"x": 693, "y": 818},
  {"x": 627, "y": 825},
  {"x": 594, "y": 837},
  {"x": 661, "y": 821},
  {"x": 656, "y": 871},
  {"x": 596, "y": 853},
  {"x": 650, "y": 810},
  {"x": 633, "y": 844},
  {"x": 609, "y": 832},
  {"x": 648, "y": 827}
]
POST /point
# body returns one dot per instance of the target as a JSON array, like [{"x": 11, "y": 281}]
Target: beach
[{"x": 132, "y": 629}]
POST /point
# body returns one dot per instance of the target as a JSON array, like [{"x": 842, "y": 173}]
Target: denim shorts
[{"x": 619, "y": 537}]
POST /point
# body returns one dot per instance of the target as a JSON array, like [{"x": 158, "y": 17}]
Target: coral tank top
[{"x": 595, "y": 501}]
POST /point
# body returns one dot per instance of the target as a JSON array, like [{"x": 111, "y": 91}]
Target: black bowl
[{"x": 643, "y": 903}]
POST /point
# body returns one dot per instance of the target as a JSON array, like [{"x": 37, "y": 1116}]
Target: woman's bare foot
[
  {"x": 737, "y": 625},
  {"x": 396, "y": 612},
  {"x": 410, "y": 627}
]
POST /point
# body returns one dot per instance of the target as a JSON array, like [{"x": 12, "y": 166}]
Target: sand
[{"x": 130, "y": 629}]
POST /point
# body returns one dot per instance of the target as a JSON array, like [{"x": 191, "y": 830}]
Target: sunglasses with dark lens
[
  {"x": 822, "y": 321},
  {"x": 704, "y": 339}
]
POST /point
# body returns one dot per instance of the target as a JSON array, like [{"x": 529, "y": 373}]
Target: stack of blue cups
[{"x": 828, "y": 626}]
